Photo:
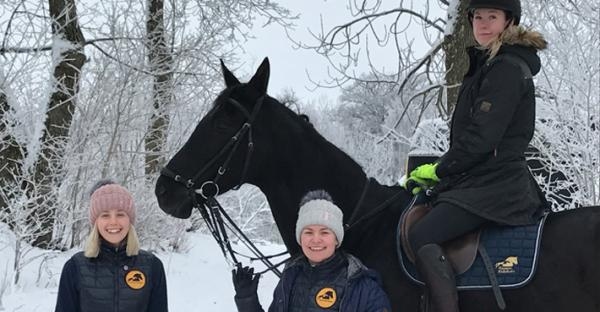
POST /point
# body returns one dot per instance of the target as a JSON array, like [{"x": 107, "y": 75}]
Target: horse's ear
[
  {"x": 260, "y": 80},
  {"x": 230, "y": 79}
]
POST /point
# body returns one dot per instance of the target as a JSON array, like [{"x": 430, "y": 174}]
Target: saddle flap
[
  {"x": 410, "y": 217},
  {"x": 461, "y": 252}
]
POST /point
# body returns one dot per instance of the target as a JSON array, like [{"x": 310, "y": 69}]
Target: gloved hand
[
  {"x": 425, "y": 174},
  {"x": 421, "y": 177},
  {"x": 412, "y": 186},
  {"x": 244, "y": 281}
]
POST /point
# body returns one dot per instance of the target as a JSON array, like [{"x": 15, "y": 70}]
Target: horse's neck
[
  {"x": 316, "y": 167},
  {"x": 325, "y": 168}
]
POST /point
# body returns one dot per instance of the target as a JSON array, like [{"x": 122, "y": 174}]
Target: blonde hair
[{"x": 92, "y": 244}]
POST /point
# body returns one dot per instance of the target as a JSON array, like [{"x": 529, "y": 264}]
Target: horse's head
[{"x": 217, "y": 156}]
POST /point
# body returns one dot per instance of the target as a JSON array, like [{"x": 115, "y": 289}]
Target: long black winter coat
[
  {"x": 485, "y": 171},
  {"x": 112, "y": 283}
]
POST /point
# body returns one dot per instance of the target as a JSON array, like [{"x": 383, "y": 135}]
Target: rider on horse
[{"x": 483, "y": 177}]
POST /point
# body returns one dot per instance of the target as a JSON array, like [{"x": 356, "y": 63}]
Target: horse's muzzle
[{"x": 173, "y": 198}]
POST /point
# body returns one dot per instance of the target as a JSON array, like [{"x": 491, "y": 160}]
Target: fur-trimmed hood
[
  {"x": 521, "y": 42},
  {"x": 518, "y": 35},
  {"x": 525, "y": 37}
]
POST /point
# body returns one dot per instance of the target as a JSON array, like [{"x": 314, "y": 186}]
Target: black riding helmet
[{"x": 511, "y": 7}]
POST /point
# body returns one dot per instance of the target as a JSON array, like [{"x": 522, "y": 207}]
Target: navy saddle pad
[{"x": 513, "y": 250}]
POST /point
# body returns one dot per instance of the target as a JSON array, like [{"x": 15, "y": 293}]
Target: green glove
[
  {"x": 415, "y": 189},
  {"x": 413, "y": 185},
  {"x": 425, "y": 174}
]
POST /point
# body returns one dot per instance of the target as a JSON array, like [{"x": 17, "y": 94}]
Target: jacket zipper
[{"x": 116, "y": 265}]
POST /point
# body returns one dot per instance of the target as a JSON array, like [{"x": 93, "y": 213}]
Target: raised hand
[{"x": 245, "y": 281}]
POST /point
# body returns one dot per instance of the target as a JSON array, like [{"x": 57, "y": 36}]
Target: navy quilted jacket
[
  {"x": 363, "y": 291},
  {"x": 99, "y": 284}
]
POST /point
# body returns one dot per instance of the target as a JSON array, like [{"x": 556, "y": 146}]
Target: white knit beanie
[{"x": 317, "y": 208}]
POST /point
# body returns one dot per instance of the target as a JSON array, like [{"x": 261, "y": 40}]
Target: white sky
[{"x": 290, "y": 67}]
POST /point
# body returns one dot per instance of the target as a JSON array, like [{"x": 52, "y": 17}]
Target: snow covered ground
[{"x": 199, "y": 280}]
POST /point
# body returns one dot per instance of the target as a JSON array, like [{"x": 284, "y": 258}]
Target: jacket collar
[
  {"x": 517, "y": 36},
  {"x": 515, "y": 40},
  {"x": 355, "y": 267},
  {"x": 107, "y": 248}
]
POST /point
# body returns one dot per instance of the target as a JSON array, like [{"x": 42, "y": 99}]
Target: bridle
[
  {"x": 233, "y": 144},
  {"x": 211, "y": 210}
]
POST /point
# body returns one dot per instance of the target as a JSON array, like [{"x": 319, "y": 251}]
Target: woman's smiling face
[
  {"x": 488, "y": 24},
  {"x": 113, "y": 225},
  {"x": 318, "y": 243}
]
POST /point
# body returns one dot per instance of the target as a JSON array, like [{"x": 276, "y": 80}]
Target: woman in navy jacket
[
  {"x": 323, "y": 278},
  {"x": 112, "y": 274}
]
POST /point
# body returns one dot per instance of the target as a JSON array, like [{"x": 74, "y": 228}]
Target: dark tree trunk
[
  {"x": 11, "y": 157},
  {"x": 457, "y": 62},
  {"x": 49, "y": 165},
  {"x": 160, "y": 61}
]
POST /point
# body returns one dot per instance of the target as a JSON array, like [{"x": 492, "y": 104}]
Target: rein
[
  {"x": 213, "y": 213},
  {"x": 211, "y": 210},
  {"x": 372, "y": 212}
]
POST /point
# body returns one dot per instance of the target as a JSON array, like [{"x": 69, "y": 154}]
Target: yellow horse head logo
[{"x": 508, "y": 265}]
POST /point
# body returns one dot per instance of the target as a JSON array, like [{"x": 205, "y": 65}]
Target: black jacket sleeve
[
  {"x": 158, "y": 298},
  {"x": 497, "y": 99},
  {"x": 248, "y": 304},
  {"x": 68, "y": 295}
]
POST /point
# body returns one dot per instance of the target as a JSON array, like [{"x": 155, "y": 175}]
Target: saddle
[
  {"x": 461, "y": 252},
  {"x": 496, "y": 257}
]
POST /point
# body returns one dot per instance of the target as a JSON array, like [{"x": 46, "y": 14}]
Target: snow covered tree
[
  {"x": 161, "y": 64},
  {"x": 48, "y": 173},
  {"x": 98, "y": 122},
  {"x": 568, "y": 94},
  {"x": 398, "y": 43},
  {"x": 12, "y": 154}
]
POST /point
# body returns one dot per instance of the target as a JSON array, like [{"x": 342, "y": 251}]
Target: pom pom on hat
[
  {"x": 106, "y": 195},
  {"x": 317, "y": 207}
]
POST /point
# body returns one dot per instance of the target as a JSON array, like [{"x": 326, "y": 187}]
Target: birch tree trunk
[{"x": 160, "y": 61}]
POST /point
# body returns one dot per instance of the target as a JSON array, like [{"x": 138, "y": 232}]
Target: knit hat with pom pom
[{"x": 317, "y": 208}]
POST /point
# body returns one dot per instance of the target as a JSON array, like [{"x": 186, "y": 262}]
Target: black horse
[{"x": 281, "y": 153}]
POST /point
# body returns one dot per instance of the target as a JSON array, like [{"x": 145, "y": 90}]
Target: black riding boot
[{"x": 434, "y": 268}]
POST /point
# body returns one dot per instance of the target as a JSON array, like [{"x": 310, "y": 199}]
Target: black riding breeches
[{"x": 443, "y": 223}]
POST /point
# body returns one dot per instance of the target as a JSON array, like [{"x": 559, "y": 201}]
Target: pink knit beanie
[{"x": 107, "y": 195}]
